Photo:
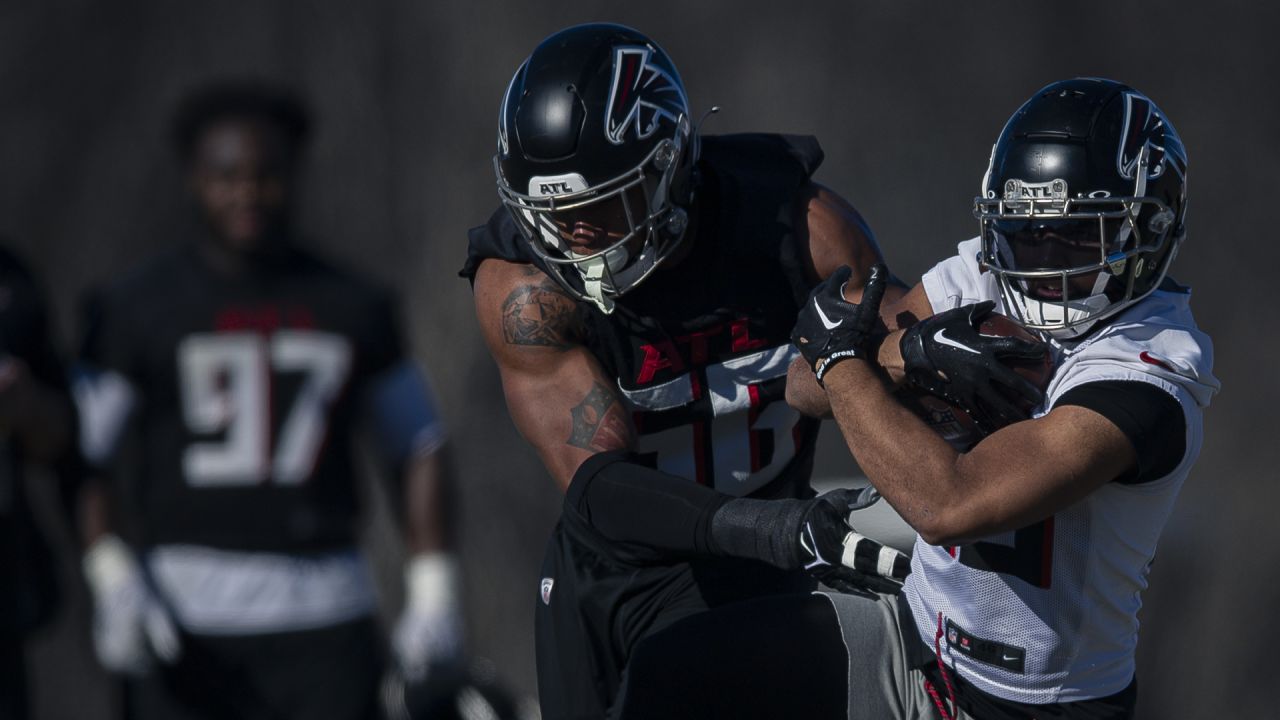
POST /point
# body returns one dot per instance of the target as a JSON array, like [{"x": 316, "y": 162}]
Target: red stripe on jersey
[
  {"x": 742, "y": 341},
  {"x": 1149, "y": 359}
]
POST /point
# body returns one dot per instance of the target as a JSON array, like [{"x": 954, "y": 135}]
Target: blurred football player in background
[
  {"x": 37, "y": 425},
  {"x": 221, "y": 385},
  {"x": 1034, "y": 545},
  {"x": 637, "y": 289}
]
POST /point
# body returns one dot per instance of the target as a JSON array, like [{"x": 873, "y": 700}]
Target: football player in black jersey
[
  {"x": 37, "y": 424},
  {"x": 637, "y": 289},
  {"x": 221, "y": 384}
]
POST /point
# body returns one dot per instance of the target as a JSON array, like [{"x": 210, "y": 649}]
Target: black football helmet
[
  {"x": 1083, "y": 205},
  {"x": 594, "y": 132}
]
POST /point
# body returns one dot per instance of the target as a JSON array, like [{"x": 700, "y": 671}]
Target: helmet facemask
[
  {"x": 634, "y": 211},
  {"x": 1064, "y": 263}
]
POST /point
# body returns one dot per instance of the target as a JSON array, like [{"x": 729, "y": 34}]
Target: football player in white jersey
[{"x": 1034, "y": 544}]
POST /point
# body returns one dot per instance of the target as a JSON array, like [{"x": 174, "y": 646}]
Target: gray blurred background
[{"x": 906, "y": 97}]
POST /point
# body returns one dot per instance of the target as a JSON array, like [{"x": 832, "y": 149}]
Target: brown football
[{"x": 952, "y": 422}]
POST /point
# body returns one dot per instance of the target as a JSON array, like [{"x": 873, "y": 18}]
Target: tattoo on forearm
[
  {"x": 599, "y": 422},
  {"x": 538, "y": 315}
]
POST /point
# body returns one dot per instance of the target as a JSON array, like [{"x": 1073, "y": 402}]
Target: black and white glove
[
  {"x": 813, "y": 535},
  {"x": 946, "y": 355},
  {"x": 830, "y": 329},
  {"x": 843, "y": 559},
  {"x": 867, "y": 565},
  {"x": 131, "y": 628}
]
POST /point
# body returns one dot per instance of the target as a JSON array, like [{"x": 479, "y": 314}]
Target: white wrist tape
[{"x": 431, "y": 584}]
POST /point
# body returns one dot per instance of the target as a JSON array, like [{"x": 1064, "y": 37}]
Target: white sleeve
[{"x": 959, "y": 281}]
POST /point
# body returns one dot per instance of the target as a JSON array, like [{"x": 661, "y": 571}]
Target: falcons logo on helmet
[
  {"x": 1144, "y": 126},
  {"x": 641, "y": 96}
]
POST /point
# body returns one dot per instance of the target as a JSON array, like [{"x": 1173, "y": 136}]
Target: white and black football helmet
[
  {"x": 1083, "y": 205},
  {"x": 594, "y": 128}
]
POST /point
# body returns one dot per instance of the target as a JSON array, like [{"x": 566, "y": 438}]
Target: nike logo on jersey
[
  {"x": 986, "y": 650},
  {"x": 942, "y": 339},
  {"x": 826, "y": 321}
]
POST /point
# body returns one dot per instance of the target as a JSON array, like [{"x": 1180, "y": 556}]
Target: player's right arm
[
  {"x": 560, "y": 398},
  {"x": 131, "y": 627}
]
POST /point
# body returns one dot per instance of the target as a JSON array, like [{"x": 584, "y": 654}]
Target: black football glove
[
  {"x": 830, "y": 329},
  {"x": 841, "y": 558},
  {"x": 945, "y": 355}
]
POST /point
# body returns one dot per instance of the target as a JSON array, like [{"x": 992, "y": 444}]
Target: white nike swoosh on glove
[
  {"x": 944, "y": 340},
  {"x": 826, "y": 321},
  {"x": 811, "y": 546}
]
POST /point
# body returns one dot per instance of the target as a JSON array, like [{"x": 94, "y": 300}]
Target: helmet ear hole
[
  {"x": 1160, "y": 222},
  {"x": 676, "y": 223},
  {"x": 664, "y": 156}
]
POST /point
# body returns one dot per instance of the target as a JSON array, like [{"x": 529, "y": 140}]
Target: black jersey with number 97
[{"x": 240, "y": 393}]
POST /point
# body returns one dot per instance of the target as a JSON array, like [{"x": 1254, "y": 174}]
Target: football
[{"x": 952, "y": 422}]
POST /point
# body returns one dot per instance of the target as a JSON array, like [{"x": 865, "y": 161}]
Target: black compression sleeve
[
  {"x": 627, "y": 502},
  {"x": 1151, "y": 418}
]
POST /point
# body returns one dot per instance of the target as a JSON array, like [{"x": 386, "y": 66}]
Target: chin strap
[{"x": 593, "y": 284}]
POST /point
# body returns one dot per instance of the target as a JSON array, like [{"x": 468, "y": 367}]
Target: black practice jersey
[
  {"x": 700, "y": 349},
  {"x": 243, "y": 393}
]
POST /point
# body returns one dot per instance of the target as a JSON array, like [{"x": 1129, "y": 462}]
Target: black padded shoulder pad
[
  {"x": 783, "y": 160},
  {"x": 497, "y": 238}
]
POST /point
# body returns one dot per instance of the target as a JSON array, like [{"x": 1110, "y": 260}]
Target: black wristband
[
  {"x": 825, "y": 364},
  {"x": 764, "y": 530}
]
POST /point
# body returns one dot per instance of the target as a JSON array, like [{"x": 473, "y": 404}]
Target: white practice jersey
[{"x": 1048, "y": 613}]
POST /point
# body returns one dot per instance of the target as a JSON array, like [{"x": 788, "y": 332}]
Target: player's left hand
[
  {"x": 830, "y": 329},
  {"x": 429, "y": 631},
  {"x": 947, "y": 356}
]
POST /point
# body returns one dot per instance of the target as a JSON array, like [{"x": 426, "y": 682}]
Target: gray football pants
[{"x": 885, "y": 657}]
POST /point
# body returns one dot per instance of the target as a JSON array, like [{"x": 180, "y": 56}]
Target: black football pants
[
  {"x": 330, "y": 672},
  {"x": 600, "y": 599}
]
